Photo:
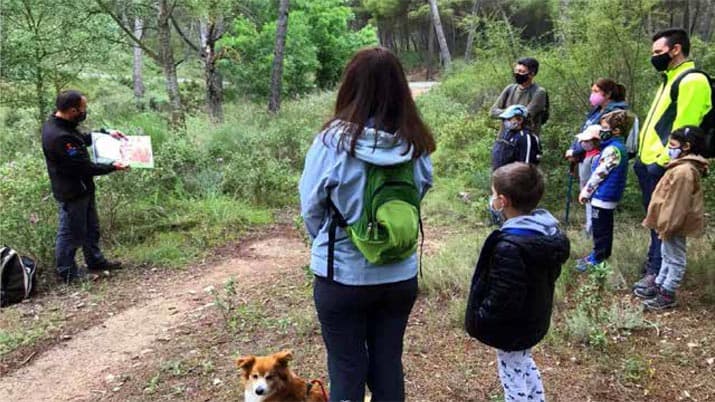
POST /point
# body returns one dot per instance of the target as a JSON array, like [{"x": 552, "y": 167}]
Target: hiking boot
[
  {"x": 647, "y": 293},
  {"x": 105, "y": 266},
  {"x": 646, "y": 281},
  {"x": 663, "y": 301}
]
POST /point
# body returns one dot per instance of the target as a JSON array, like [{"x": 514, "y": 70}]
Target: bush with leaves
[{"x": 318, "y": 43}]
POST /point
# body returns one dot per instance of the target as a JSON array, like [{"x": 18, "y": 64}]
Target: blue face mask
[{"x": 674, "y": 153}]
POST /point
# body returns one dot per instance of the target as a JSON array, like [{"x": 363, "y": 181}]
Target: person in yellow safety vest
[{"x": 670, "y": 51}]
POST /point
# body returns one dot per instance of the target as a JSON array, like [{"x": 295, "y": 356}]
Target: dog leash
[{"x": 322, "y": 388}]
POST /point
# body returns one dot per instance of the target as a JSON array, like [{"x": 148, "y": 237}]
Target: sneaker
[
  {"x": 105, "y": 266},
  {"x": 663, "y": 301},
  {"x": 647, "y": 293},
  {"x": 585, "y": 263},
  {"x": 646, "y": 281}
]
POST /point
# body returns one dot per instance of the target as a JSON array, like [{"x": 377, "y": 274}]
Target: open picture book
[{"x": 134, "y": 150}]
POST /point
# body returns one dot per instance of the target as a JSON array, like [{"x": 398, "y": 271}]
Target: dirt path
[{"x": 70, "y": 371}]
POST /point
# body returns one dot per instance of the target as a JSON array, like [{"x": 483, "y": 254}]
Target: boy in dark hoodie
[
  {"x": 676, "y": 211},
  {"x": 511, "y": 295}
]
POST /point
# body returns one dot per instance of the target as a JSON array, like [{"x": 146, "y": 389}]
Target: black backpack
[
  {"x": 708, "y": 123},
  {"x": 507, "y": 149},
  {"x": 544, "y": 115},
  {"x": 17, "y": 276}
]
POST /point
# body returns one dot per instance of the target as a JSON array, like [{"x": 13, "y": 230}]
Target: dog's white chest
[{"x": 250, "y": 396}]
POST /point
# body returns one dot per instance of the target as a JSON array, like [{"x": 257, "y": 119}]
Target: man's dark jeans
[
  {"x": 362, "y": 328},
  {"x": 78, "y": 227},
  {"x": 602, "y": 226},
  {"x": 648, "y": 177}
]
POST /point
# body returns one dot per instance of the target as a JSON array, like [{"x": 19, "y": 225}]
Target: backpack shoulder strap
[
  {"x": 675, "y": 87},
  {"x": 336, "y": 219}
]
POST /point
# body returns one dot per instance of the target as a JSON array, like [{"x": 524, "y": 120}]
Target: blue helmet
[{"x": 514, "y": 110}]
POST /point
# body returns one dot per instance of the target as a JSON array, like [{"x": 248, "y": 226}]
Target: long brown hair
[
  {"x": 374, "y": 87},
  {"x": 616, "y": 92}
]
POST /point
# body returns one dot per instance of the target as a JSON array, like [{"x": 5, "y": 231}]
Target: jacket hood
[
  {"x": 374, "y": 146},
  {"x": 615, "y": 105},
  {"x": 546, "y": 243},
  {"x": 540, "y": 220},
  {"x": 698, "y": 161}
]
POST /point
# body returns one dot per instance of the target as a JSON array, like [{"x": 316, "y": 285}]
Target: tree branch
[
  {"x": 183, "y": 36},
  {"x": 129, "y": 32}
]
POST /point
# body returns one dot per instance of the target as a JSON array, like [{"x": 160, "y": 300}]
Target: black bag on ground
[{"x": 17, "y": 276}]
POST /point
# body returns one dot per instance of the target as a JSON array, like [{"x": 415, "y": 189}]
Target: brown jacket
[{"x": 677, "y": 206}]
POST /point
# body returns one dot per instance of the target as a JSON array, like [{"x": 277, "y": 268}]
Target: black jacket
[
  {"x": 68, "y": 164},
  {"x": 512, "y": 291}
]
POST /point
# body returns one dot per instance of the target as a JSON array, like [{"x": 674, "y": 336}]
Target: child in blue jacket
[{"x": 606, "y": 185}]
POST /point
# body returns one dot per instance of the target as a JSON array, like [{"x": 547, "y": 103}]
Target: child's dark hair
[
  {"x": 522, "y": 183},
  {"x": 692, "y": 135}
]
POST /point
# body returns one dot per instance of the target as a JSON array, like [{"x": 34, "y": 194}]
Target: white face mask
[
  {"x": 674, "y": 153},
  {"x": 509, "y": 125}
]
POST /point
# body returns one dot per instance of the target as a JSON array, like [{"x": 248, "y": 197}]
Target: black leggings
[{"x": 362, "y": 328}]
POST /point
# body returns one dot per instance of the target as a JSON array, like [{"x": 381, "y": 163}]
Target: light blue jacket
[
  {"x": 538, "y": 222},
  {"x": 332, "y": 172}
]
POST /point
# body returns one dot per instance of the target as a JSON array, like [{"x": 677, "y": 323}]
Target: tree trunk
[
  {"x": 166, "y": 55},
  {"x": 137, "y": 66},
  {"x": 430, "y": 53},
  {"x": 209, "y": 33},
  {"x": 472, "y": 31},
  {"x": 274, "y": 104},
  {"x": 443, "y": 49},
  {"x": 707, "y": 21},
  {"x": 40, "y": 95}
]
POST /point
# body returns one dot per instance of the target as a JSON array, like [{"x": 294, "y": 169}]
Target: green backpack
[{"x": 390, "y": 223}]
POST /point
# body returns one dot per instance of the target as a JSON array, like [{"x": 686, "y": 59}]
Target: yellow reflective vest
[{"x": 693, "y": 104}]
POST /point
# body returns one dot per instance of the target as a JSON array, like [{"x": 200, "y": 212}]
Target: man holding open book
[{"x": 72, "y": 177}]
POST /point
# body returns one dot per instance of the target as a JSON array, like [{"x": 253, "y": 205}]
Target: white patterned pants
[{"x": 520, "y": 377}]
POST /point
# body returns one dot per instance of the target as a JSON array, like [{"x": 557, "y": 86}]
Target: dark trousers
[
  {"x": 362, "y": 328},
  {"x": 602, "y": 221},
  {"x": 78, "y": 227},
  {"x": 648, "y": 178}
]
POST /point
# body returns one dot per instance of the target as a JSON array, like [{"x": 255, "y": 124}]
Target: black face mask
[
  {"x": 661, "y": 61},
  {"x": 521, "y": 78},
  {"x": 81, "y": 117}
]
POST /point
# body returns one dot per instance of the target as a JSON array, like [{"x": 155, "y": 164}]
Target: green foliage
[
  {"x": 44, "y": 45},
  {"x": 635, "y": 370},
  {"x": 318, "y": 43},
  {"x": 206, "y": 188}
]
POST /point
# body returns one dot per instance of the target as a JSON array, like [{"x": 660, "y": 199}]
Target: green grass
[
  {"x": 198, "y": 226},
  {"x": 18, "y": 330}
]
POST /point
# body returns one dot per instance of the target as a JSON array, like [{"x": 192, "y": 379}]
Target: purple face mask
[{"x": 596, "y": 98}]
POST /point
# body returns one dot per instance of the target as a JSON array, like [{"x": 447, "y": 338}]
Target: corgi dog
[{"x": 268, "y": 379}]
